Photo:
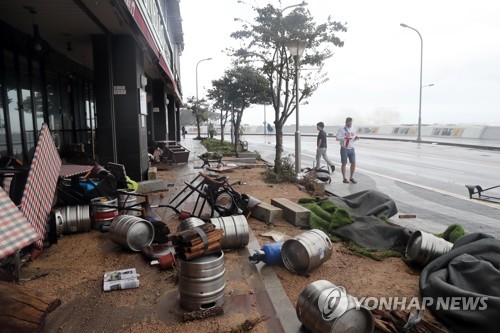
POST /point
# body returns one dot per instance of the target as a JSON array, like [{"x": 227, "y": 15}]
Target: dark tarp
[
  {"x": 470, "y": 273},
  {"x": 368, "y": 229}
]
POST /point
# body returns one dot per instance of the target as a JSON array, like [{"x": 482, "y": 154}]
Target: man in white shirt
[{"x": 347, "y": 135}]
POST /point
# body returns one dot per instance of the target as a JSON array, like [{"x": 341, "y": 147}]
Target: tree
[
  {"x": 186, "y": 117},
  {"x": 219, "y": 97},
  {"x": 264, "y": 44},
  {"x": 199, "y": 108},
  {"x": 240, "y": 87}
]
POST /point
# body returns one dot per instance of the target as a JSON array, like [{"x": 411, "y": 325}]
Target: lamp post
[
  {"x": 197, "y": 76},
  {"x": 265, "y": 122},
  {"x": 297, "y": 5},
  {"x": 296, "y": 48},
  {"x": 419, "y": 130},
  {"x": 197, "y": 104}
]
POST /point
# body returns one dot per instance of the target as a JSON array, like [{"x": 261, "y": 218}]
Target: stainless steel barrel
[
  {"x": 72, "y": 219},
  {"x": 126, "y": 197},
  {"x": 236, "y": 233},
  {"x": 131, "y": 232},
  {"x": 202, "y": 282},
  {"x": 104, "y": 210},
  {"x": 190, "y": 222},
  {"x": 322, "y": 307},
  {"x": 423, "y": 247},
  {"x": 306, "y": 251}
]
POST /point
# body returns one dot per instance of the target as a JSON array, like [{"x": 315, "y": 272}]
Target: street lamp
[
  {"x": 297, "y": 5},
  {"x": 197, "y": 101},
  {"x": 197, "y": 76},
  {"x": 296, "y": 48},
  {"x": 419, "y": 130}
]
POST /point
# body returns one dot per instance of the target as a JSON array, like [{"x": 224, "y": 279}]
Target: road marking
[{"x": 481, "y": 202}]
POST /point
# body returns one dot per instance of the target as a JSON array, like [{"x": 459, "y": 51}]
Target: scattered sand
[{"x": 76, "y": 264}]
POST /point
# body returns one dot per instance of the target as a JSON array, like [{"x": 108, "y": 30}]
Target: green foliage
[
  {"x": 325, "y": 215},
  {"x": 264, "y": 45},
  {"x": 283, "y": 174},
  {"x": 377, "y": 255},
  {"x": 214, "y": 145},
  {"x": 452, "y": 233},
  {"x": 237, "y": 90}
]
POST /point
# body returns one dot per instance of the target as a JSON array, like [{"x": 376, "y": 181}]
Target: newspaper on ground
[{"x": 121, "y": 279}]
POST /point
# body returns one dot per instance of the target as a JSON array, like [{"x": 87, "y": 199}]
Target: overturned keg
[
  {"x": 423, "y": 247},
  {"x": 323, "y": 307},
  {"x": 305, "y": 252},
  {"x": 235, "y": 228},
  {"x": 131, "y": 232}
]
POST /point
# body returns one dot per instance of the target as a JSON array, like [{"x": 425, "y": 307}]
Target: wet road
[{"x": 427, "y": 180}]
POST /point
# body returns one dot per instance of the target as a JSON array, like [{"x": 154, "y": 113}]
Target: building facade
[{"x": 104, "y": 75}]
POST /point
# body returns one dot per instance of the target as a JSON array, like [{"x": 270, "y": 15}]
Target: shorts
[{"x": 347, "y": 154}]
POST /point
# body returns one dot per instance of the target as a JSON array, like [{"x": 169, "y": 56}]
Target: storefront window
[
  {"x": 3, "y": 131},
  {"x": 54, "y": 108},
  {"x": 37, "y": 96},
  {"x": 13, "y": 105},
  {"x": 26, "y": 106}
]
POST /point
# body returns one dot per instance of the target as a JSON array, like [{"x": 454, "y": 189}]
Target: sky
[{"x": 375, "y": 76}]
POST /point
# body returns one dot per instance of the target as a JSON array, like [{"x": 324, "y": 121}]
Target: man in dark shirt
[{"x": 321, "y": 147}]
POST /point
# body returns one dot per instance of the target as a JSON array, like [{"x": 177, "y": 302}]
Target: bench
[{"x": 211, "y": 157}]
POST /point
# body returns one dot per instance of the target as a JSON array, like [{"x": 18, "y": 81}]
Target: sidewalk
[
  {"x": 72, "y": 270},
  {"x": 267, "y": 294}
]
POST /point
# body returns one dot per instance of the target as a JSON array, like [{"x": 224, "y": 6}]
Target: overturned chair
[
  {"x": 476, "y": 192},
  {"x": 212, "y": 190}
]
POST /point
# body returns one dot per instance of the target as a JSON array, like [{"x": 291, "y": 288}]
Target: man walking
[
  {"x": 347, "y": 135},
  {"x": 321, "y": 147}
]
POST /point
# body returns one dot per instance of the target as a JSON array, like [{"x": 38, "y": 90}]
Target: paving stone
[
  {"x": 267, "y": 213},
  {"x": 147, "y": 186},
  {"x": 293, "y": 212},
  {"x": 152, "y": 173}
]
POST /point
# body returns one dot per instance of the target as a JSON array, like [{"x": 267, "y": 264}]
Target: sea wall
[{"x": 437, "y": 130}]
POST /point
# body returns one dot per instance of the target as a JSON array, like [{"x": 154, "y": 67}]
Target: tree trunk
[
  {"x": 279, "y": 147},
  {"x": 221, "y": 130},
  {"x": 198, "y": 127}
]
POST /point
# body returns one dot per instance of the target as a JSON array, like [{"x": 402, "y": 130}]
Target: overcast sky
[{"x": 375, "y": 77}]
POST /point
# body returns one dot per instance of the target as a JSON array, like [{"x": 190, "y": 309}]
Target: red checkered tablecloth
[
  {"x": 15, "y": 230},
  {"x": 70, "y": 170},
  {"x": 38, "y": 194}
]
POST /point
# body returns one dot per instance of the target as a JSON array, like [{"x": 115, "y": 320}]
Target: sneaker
[
  {"x": 346, "y": 181},
  {"x": 333, "y": 167},
  {"x": 353, "y": 181}
]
